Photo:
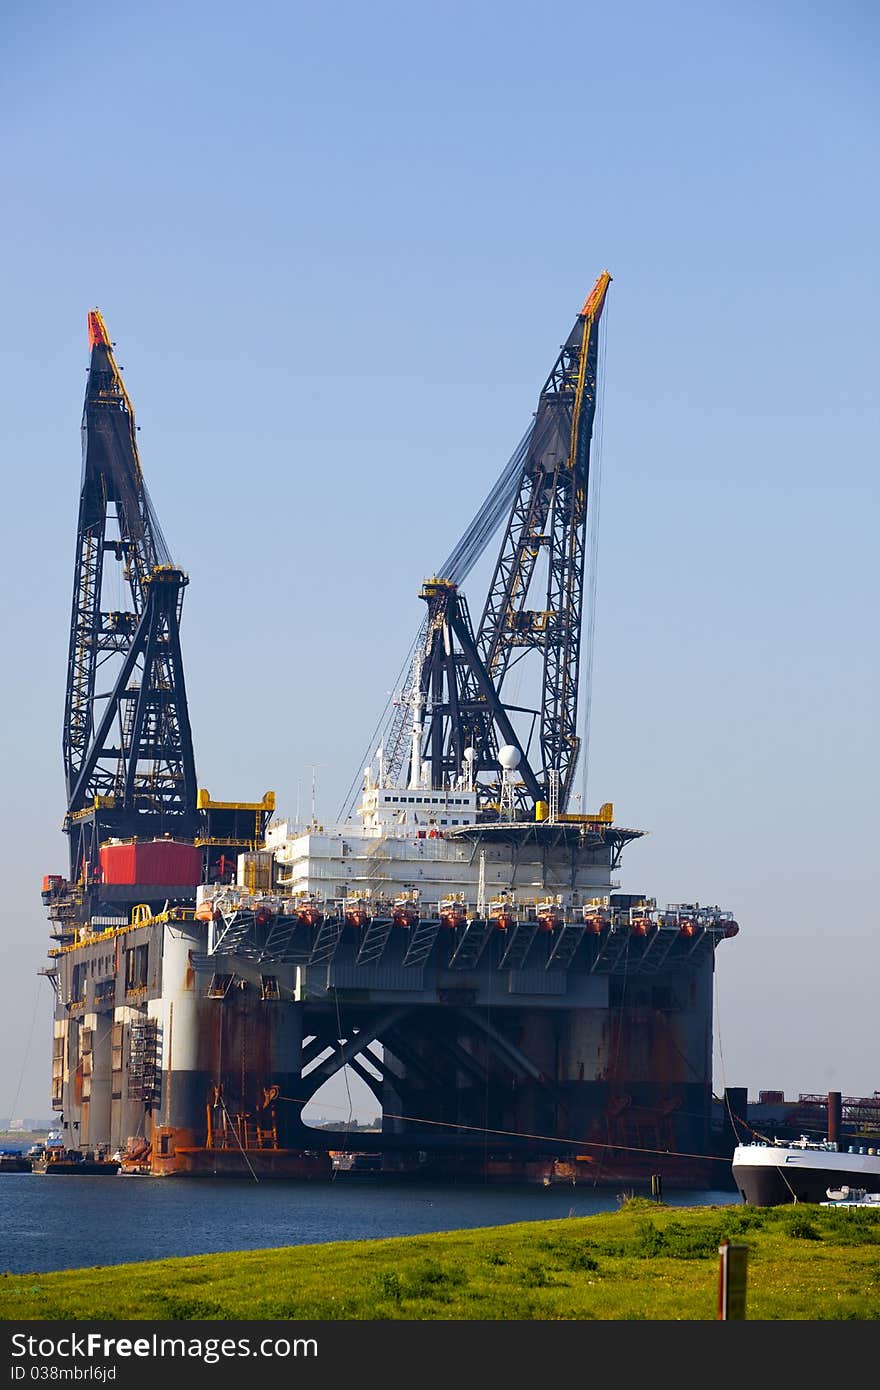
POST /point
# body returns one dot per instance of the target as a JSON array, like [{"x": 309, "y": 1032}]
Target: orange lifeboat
[
  {"x": 501, "y": 913},
  {"x": 687, "y": 927},
  {"x": 640, "y": 925},
  {"x": 549, "y": 919},
  {"x": 731, "y": 928},
  {"x": 263, "y": 915},
  {"x": 404, "y": 915},
  {"x": 453, "y": 913},
  {"x": 357, "y": 916},
  {"x": 595, "y": 922},
  {"x": 310, "y": 915},
  {"x": 503, "y": 920}
]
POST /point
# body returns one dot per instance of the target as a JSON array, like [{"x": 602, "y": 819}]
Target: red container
[{"x": 167, "y": 862}]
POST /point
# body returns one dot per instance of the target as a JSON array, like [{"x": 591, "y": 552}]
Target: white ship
[{"x": 803, "y": 1170}]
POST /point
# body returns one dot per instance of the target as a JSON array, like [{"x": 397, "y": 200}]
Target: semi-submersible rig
[{"x": 456, "y": 939}]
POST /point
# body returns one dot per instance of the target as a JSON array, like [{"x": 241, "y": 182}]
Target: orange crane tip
[{"x": 98, "y": 335}]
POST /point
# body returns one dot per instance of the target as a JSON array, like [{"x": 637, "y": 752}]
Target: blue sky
[{"x": 338, "y": 247}]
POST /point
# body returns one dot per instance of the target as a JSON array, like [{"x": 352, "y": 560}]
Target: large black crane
[
  {"x": 549, "y": 515},
  {"x": 455, "y": 681},
  {"x": 128, "y": 753}
]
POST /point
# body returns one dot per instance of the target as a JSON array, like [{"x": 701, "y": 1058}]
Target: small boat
[
  {"x": 37, "y": 1153},
  {"x": 58, "y": 1162},
  {"x": 453, "y": 911},
  {"x": 13, "y": 1161},
  {"x": 851, "y": 1197},
  {"x": 802, "y": 1170},
  {"x": 264, "y": 914},
  {"x": 357, "y": 912},
  {"x": 501, "y": 917},
  {"x": 501, "y": 912},
  {"x": 550, "y": 916},
  {"x": 405, "y": 912},
  {"x": 310, "y": 914}
]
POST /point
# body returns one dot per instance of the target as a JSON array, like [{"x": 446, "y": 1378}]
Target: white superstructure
[{"x": 421, "y": 840}]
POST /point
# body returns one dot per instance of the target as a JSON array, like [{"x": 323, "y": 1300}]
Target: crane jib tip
[{"x": 98, "y": 335}]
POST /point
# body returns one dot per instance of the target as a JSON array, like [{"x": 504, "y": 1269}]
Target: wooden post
[
  {"x": 732, "y": 1280},
  {"x": 656, "y": 1187}
]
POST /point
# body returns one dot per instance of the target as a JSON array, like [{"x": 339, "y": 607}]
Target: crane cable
[
  {"x": 27, "y": 1049},
  {"x": 524, "y": 1134},
  {"x": 456, "y": 567},
  {"x": 593, "y": 565},
  {"x": 476, "y": 537}
]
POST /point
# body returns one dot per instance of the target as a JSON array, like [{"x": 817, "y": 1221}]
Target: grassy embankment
[{"x": 645, "y": 1261}]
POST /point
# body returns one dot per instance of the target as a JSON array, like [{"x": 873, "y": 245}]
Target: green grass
[{"x": 645, "y": 1261}]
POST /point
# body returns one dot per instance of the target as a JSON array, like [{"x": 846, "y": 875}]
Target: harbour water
[{"x": 72, "y": 1222}]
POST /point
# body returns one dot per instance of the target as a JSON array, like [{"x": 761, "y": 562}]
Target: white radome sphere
[
  {"x": 469, "y": 754},
  {"x": 508, "y": 757}
]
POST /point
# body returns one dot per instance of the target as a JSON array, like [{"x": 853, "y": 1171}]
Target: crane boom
[
  {"x": 458, "y": 676},
  {"x": 549, "y": 516},
  {"x": 131, "y": 756}
]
